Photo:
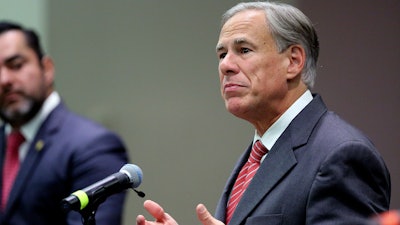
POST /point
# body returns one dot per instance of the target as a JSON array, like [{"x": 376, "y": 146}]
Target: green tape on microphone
[{"x": 83, "y": 198}]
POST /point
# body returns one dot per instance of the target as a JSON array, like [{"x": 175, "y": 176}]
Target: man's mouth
[
  {"x": 11, "y": 97},
  {"x": 231, "y": 87}
]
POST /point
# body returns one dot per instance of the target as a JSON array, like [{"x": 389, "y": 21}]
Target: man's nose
[
  {"x": 6, "y": 76},
  {"x": 228, "y": 65}
]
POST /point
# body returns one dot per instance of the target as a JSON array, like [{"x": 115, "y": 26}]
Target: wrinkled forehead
[{"x": 245, "y": 25}]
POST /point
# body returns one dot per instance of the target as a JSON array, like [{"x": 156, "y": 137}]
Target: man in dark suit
[
  {"x": 318, "y": 169},
  {"x": 61, "y": 152}
]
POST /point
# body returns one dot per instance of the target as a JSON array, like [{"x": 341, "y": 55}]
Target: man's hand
[
  {"x": 205, "y": 217},
  {"x": 161, "y": 218}
]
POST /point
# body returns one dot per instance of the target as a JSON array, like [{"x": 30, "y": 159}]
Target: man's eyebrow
[
  {"x": 237, "y": 41},
  {"x": 12, "y": 58},
  {"x": 240, "y": 41},
  {"x": 219, "y": 47}
]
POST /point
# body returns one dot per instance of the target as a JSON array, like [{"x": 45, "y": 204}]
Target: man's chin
[{"x": 16, "y": 113}]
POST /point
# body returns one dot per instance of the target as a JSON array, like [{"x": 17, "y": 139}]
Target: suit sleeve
[
  {"x": 98, "y": 157},
  {"x": 351, "y": 185}
]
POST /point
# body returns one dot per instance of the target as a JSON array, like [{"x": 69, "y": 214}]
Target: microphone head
[{"x": 134, "y": 173}]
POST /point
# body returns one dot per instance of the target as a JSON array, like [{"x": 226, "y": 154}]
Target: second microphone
[{"x": 129, "y": 176}]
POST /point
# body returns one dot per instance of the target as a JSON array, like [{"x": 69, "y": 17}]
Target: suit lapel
[
  {"x": 220, "y": 212},
  {"x": 266, "y": 178},
  {"x": 2, "y": 149},
  {"x": 279, "y": 161},
  {"x": 38, "y": 147},
  {"x": 2, "y": 152},
  {"x": 27, "y": 169}
]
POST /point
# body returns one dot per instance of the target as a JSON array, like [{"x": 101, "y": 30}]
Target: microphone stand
[
  {"x": 89, "y": 213},
  {"x": 88, "y": 218}
]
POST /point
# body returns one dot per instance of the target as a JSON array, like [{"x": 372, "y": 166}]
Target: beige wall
[{"x": 148, "y": 70}]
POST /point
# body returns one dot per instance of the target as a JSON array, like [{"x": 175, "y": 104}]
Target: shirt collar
[{"x": 275, "y": 131}]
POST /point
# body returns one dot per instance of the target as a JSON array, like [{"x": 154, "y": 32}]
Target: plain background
[{"x": 148, "y": 70}]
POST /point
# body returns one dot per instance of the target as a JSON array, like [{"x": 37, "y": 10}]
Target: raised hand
[
  {"x": 205, "y": 216},
  {"x": 161, "y": 218}
]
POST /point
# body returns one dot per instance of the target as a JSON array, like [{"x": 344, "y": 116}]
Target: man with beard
[{"x": 46, "y": 151}]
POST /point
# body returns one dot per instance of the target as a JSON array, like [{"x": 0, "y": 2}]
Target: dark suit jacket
[
  {"x": 68, "y": 153},
  {"x": 320, "y": 171}
]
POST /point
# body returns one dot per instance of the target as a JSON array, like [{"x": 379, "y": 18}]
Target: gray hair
[{"x": 288, "y": 26}]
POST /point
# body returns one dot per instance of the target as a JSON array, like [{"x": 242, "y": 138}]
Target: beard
[{"x": 23, "y": 113}]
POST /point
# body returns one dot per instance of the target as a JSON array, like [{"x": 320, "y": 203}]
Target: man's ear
[
  {"x": 297, "y": 59},
  {"x": 48, "y": 70}
]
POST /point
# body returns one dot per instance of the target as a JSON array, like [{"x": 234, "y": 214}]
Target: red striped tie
[
  {"x": 11, "y": 164},
  {"x": 244, "y": 177}
]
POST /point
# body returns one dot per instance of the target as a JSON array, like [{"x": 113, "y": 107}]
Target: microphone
[{"x": 129, "y": 176}]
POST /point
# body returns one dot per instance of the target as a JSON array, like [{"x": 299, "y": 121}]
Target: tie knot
[
  {"x": 15, "y": 139},
  {"x": 257, "y": 152}
]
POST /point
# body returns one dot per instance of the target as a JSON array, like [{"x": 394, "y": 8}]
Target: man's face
[
  {"x": 23, "y": 84},
  {"x": 251, "y": 70}
]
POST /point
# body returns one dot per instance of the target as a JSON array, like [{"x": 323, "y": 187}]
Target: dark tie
[
  {"x": 11, "y": 164},
  {"x": 244, "y": 177}
]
